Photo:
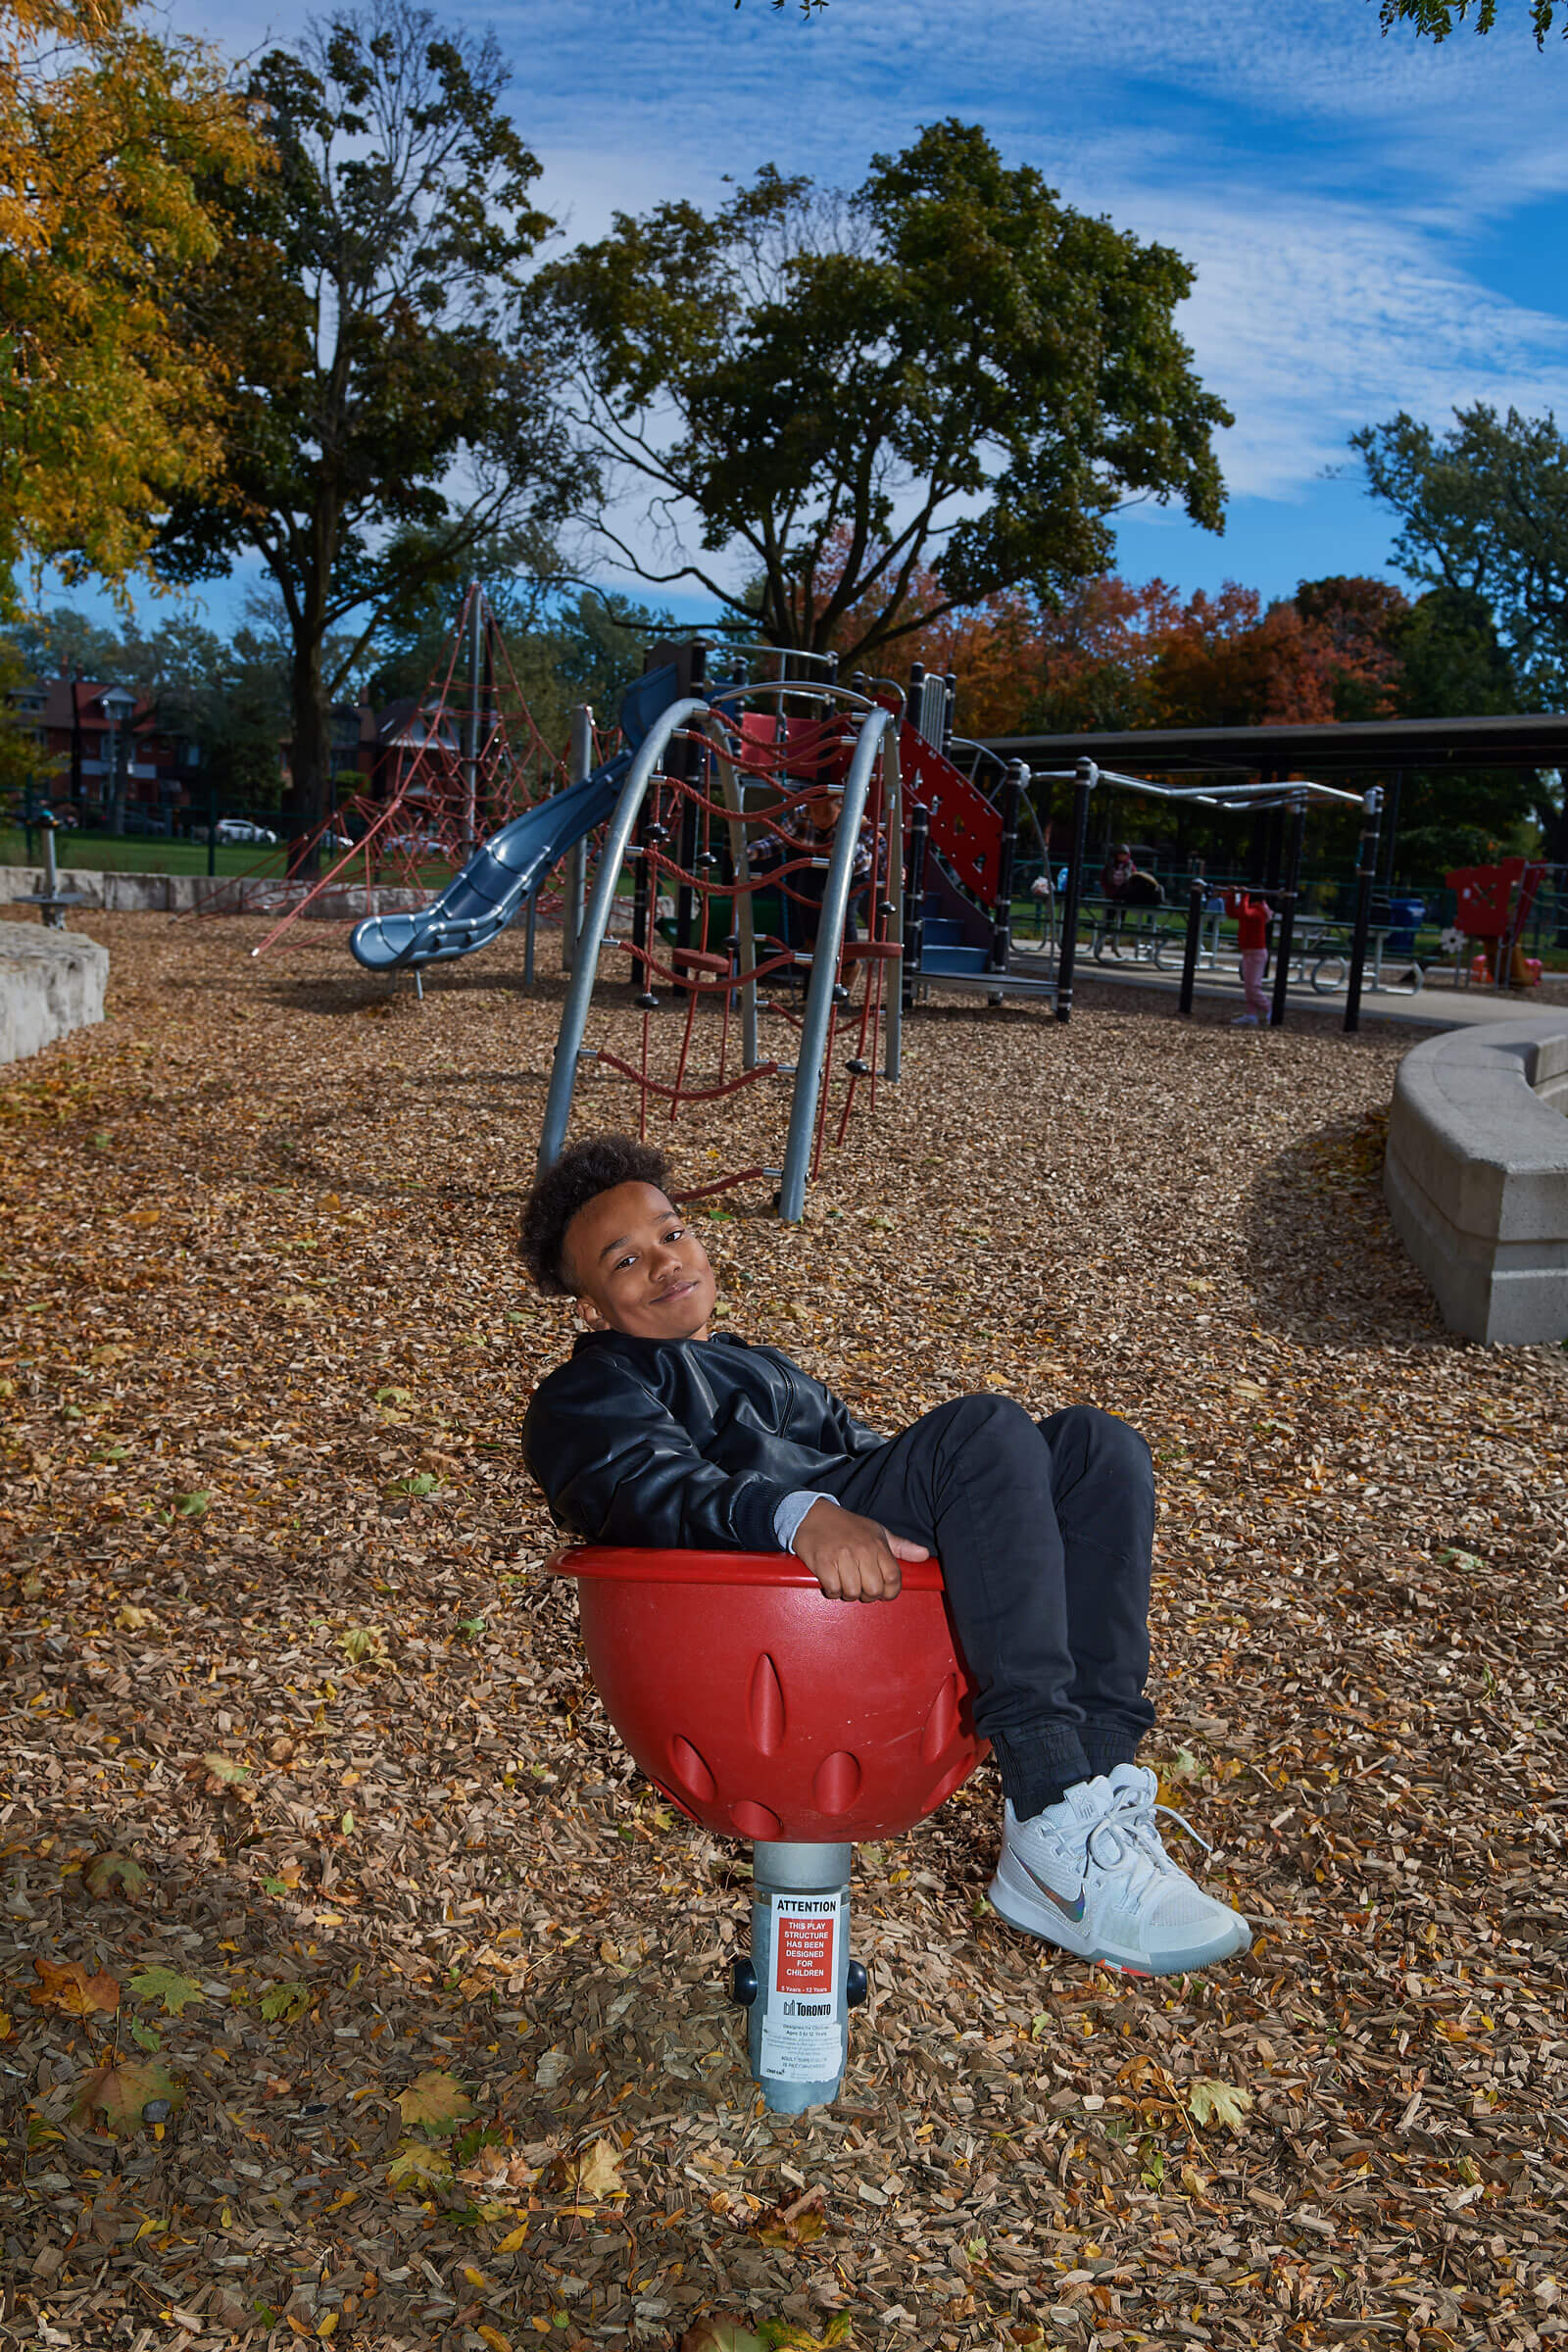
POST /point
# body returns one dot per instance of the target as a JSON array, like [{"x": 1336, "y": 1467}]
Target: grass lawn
[{"x": 138, "y": 854}]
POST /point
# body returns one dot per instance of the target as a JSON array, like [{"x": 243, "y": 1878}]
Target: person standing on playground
[
  {"x": 1251, "y": 917},
  {"x": 660, "y": 1431}
]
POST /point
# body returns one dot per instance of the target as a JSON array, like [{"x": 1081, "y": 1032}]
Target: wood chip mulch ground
[{"x": 356, "y": 1990}]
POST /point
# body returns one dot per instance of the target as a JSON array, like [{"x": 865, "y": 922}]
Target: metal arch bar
[
  {"x": 808, "y": 1075},
  {"x": 741, "y": 891},
  {"x": 585, "y": 963},
  {"x": 803, "y": 688},
  {"x": 1224, "y": 796},
  {"x": 893, "y": 815}
]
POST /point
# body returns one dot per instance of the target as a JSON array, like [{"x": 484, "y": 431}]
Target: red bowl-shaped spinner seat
[{"x": 765, "y": 1710}]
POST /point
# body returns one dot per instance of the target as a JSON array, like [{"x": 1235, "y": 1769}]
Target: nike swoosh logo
[{"x": 1069, "y": 1910}]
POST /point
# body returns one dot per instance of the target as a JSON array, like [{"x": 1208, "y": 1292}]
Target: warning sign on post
[{"x": 802, "y": 2036}]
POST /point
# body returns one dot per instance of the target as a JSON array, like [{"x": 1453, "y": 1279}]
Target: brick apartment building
[{"x": 67, "y": 720}]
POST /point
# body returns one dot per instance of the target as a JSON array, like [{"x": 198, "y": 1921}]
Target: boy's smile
[{"x": 635, "y": 1266}]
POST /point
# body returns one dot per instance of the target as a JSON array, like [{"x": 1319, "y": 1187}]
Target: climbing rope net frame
[
  {"x": 467, "y": 759},
  {"x": 714, "y": 811}
]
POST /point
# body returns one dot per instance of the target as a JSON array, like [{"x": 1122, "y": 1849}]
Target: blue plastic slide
[
  {"x": 478, "y": 903},
  {"x": 500, "y": 878}
]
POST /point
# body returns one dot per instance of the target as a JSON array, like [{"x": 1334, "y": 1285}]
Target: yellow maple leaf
[
  {"x": 435, "y": 2101},
  {"x": 415, "y": 2164},
  {"x": 597, "y": 2173}
]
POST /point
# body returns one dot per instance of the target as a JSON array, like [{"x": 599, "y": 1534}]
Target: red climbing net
[
  {"x": 727, "y": 892},
  {"x": 454, "y": 766}
]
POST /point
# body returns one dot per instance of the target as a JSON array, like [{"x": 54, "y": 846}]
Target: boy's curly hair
[{"x": 595, "y": 1166}]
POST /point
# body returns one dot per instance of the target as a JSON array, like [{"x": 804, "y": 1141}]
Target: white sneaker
[
  {"x": 1247, "y": 1021},
  {"x": 1092, "y": 1875}
]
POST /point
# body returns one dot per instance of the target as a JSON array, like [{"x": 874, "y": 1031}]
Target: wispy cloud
[{"x": 1329, "y": 185}]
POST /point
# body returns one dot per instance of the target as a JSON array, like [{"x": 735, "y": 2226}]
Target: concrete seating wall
[
  {"x": 226, "y": 893},
  {"x": 1476, "y": 1176},
  {"x": 51, "y": 982}
]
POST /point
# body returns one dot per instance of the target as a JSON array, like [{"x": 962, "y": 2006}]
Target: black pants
[{"x": 1044, "y": 1530}]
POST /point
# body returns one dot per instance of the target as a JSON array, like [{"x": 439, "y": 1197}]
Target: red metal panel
[{"x": 965, "y": 826}]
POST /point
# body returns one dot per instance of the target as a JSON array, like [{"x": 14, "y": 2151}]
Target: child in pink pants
[{"x": 1251, "y": 918}]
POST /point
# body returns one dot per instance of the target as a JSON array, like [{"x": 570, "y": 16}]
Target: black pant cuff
[
  {"x": 1038, "y": 1764},
  {"x": 1108, "y": 1744}
]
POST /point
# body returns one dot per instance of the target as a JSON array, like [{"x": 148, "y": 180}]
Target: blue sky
[{"x": 1375, "y": 223}]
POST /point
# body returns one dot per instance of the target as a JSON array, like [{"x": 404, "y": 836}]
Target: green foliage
[
  {"x": 1484, "y": 516},
  {"x": 385, "y": 418},
  {"x": 1436, "y": 19},
  {"x": 947, "y": 374},
  {"x": 112, "y": 140},
  {"x": 1483, "y": 509}
]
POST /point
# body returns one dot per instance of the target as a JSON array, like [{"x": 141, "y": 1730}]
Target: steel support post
[
  {"x": 471, "y": 765},
  {"x": 1197, "y": 899},
  {"x": 1001, "y": 904},
  {"x": 581, "y": 760},
  {"x": 1083, "y": 785},
  {"x": 798, "y": 1988},
  {"x": 893, "y": 915},
  {"x": 1365, "y": 875},
  {"x": 810, "y": 1077},
  {"x": 1288, "y": 891},
  {"x": 914, "y": 902}
]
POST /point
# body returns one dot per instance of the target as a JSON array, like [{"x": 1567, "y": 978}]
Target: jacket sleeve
[
  {"x": 618, "y": 1468},
  {"x": 839, "y": 1432}
]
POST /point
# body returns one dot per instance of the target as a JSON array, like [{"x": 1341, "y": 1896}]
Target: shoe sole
[{"x": 1019, "y": 1912}]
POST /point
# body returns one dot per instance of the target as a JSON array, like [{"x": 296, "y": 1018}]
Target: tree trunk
[
  {"x": 310, "y": 749},
  {"x": 78, "y": 794}
]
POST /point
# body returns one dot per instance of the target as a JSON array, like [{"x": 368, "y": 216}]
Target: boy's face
[{"x": 635, "y": 1267}]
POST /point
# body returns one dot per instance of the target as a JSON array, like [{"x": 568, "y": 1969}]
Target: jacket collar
[{"x": 631, "y": 1344}]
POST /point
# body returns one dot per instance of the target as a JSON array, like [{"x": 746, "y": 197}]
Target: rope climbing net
[
  {"x": 459, "y": 762},
  {"x": 759, "y": 853}
]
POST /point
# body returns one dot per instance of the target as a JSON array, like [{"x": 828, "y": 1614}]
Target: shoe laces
[{"x": 1129, "y": 1817}]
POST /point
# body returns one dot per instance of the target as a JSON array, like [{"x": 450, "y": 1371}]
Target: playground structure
[
  {"x": 714, "y": 812},
  {"x": 466, "y": 764},
  {"x": 764, "y": 1711}
]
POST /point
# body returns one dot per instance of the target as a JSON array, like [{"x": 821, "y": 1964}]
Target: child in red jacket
[{"x": 1251, "y": 917}]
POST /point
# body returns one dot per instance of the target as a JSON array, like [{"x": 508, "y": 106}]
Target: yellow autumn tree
[{"x": 108, "y": 135}]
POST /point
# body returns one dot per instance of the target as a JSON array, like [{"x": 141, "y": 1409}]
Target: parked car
[{"x": 240, "y": 828}]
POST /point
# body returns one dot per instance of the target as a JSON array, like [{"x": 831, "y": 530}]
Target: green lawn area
[{"x": 139, "y": 853}]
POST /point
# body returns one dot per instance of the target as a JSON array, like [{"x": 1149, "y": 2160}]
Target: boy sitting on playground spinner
[{"x": 659, "y": 1431}]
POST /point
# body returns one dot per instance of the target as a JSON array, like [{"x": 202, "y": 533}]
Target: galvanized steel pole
[
  {"x": 810, "y": 1074},
  {"x": 574, "y": 1017},
  {"x": 1365, "y": 876},
  {"x": 581, "y": 764},
  {"x": 1084, "y": 780}
]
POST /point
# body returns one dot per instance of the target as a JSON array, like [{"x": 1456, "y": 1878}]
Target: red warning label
[{"x": 802, "y": 1945}]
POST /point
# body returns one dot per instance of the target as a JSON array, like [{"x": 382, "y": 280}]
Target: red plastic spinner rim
[{"x": 778, "y": 1569}]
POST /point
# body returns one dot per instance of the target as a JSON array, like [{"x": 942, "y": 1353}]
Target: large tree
[
  {"x": 386, "y": 417},
  {"x": 822, "y": 401},
  {"x": 108, "y": 136},
  {"x": 1484, "y": 508},
  {"x": 1484, "y": 513}
]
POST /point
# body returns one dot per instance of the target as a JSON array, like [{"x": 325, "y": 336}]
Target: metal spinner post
[{"x": 800, "y": 1983}]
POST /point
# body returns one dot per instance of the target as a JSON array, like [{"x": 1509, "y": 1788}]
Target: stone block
[
  {"x": 1476, "y": 1176},
  {"x": 51, "y": 982}
]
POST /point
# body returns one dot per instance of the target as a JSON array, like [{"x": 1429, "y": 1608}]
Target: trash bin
[{"x": 1403, "y": 916}]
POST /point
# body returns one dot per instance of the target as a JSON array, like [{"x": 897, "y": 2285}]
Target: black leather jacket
[{"x": 686, "y": 1445}]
